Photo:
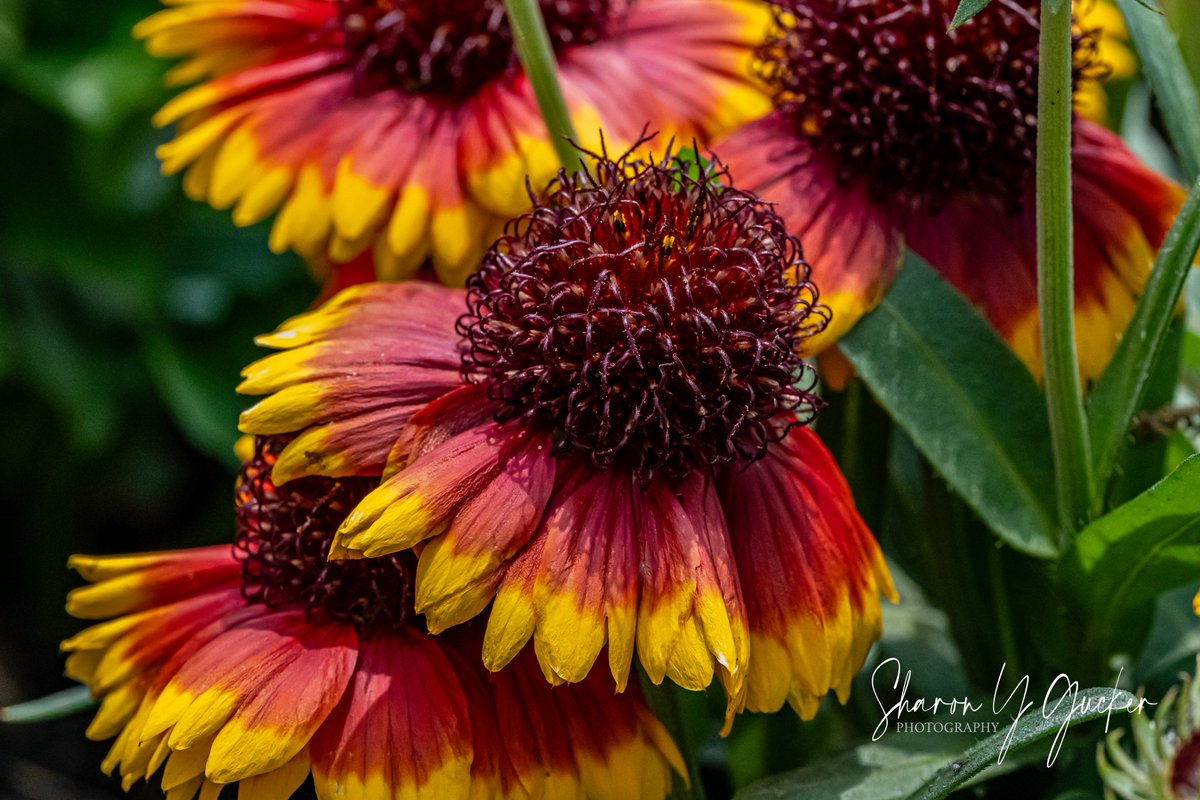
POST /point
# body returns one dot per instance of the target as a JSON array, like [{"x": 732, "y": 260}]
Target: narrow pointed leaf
[
  {"x": 1119, "y": 391},
  {"x": 885, "y": 770},
  {"x": 968, "y": 403},
  {"x": 966, "y": 10},
  {"x": 1163, "y": 64},
  {"x": 1037, "y": 724},
  {"x": 1148, "y": 545}
]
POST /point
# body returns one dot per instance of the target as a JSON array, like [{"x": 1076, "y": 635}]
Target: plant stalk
[
  {"x": 1055, "y": 272},
  {"x": 537, "y": 56},
  {"x": 663, "y": 700}
]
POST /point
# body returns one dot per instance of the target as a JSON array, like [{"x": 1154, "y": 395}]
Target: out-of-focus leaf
[
  {"x": 1035, "y": 725},
  {"x": 969, "y": 404},
  {"x": 202, "y": 403},
  {"x": 919, "y": 635},
  {"x": 1169, "y": 77},
  {"x": 1120, "y": 389},
  {"x": 96, "y": 92},
  {"x": 1144, "y": 460},
  {"x": 1148, "y": 545},
  {"x": 1185, "y": 18},
  {"x": 1174, "y": 637},
  {"x": 966, "y": 10},
  {"x": 53, "y": 706},
  {"x": 12, "y": 33},
  {"x": 1191, "y": 356},
  {"x": 1140, "y": 135},
  {"x": 61, "y": 361},
  {"x": 885, "y": 770}
]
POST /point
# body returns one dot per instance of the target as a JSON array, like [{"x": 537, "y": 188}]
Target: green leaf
[
  {"x": 1062, "y": 709},
  {"x": 966, "y": 10},
  {"x": 970, "y": 406},
  {"x": 52, "y": 706},
  {"x": 1119, "y": 391},
  {"x": 1168, "y": 74},
  {"x": 1148, "y": 545},
  {"x": 876, "y": 771}
]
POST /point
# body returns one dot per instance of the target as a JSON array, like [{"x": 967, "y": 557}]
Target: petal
[
  {"x": 587, "y": 574},
  {"x": 810, "y": 572},
  {"x": 620, "y": 565},
  {"x": 579, "y": 740},
  {"x": 402, "y": 729},
  {"x": 272, "y": 727},
  {"x": 129, "y": 583},
  {"x": 692, "y": 617},
  {"x": 276, "y": 120},
  {"x": 437, "y": 422},
  {"x": 1123, "y": 211},
  {"x": 258, "y": 690},
  {"x": 852, "y": 243},
  {"x": 422, "y": 500},
  {"x": 458, "y": 571},
  {"x": 350, "y": 375},
  {"x": 138, "y": 643}
]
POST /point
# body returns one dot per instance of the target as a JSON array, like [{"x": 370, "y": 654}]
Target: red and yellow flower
[
  {"x": 931, "y": 146},
  {"x": 603, "y": 439},
  {"x": 262, "y": 663},
  {"x": 407, "y": 127}
]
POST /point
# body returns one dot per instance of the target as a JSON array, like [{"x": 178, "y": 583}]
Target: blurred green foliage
[{"x": 126, "y": 312}]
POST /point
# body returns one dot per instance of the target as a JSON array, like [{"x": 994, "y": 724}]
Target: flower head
[
  {"x": 927, "y": 113},
  {"x": 407, "y": 127},
  {"x": 1165, "y": 763},
  {"x": 892, "y": 131},
  {"x": 649, "y": 317},
  {"x": 612, "y": 451},
  {"x": 265, "y": 662}
]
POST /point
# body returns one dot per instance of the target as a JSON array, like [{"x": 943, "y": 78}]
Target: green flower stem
[
  {"x": 52, "y": 706},
  {"x": 537, "y": 56},
  {"x": 1056, "y": 295}
]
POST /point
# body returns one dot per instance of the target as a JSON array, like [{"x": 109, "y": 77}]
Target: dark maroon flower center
[
  {"x": 283, "y": 538},
  {"x": 921, "y": 112},
  {"x": 450, "y": 48},
  {"x": 647, "y": 316},
  {"x": 1185, "y": 768}
]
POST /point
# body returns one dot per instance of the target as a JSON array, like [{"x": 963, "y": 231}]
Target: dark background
[{"x": 126, "y": 313}]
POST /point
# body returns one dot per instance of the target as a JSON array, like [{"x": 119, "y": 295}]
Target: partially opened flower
[
  {"x": 1165, "y": 760},
  {"x": 263, "y": 662},
  {"x": 889, "y": 131},
  {"x": 611, "y": 451},
  {"x": 408, "y": 126}
]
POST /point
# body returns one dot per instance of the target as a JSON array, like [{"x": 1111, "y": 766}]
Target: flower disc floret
[{"x": 649, "y": 315}]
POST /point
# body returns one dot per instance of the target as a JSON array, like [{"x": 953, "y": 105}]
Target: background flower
[
  {"x": 945, "y": 166},
  {"x": 126, "y": 311},
  {"x": 259, "y": 662},
  {"x": 408, "y": 128}
]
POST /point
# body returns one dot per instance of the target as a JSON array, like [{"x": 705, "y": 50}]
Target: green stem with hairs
[
  {"x": 1055, "y": 271},
  {"x": 537, "y": 56}
]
